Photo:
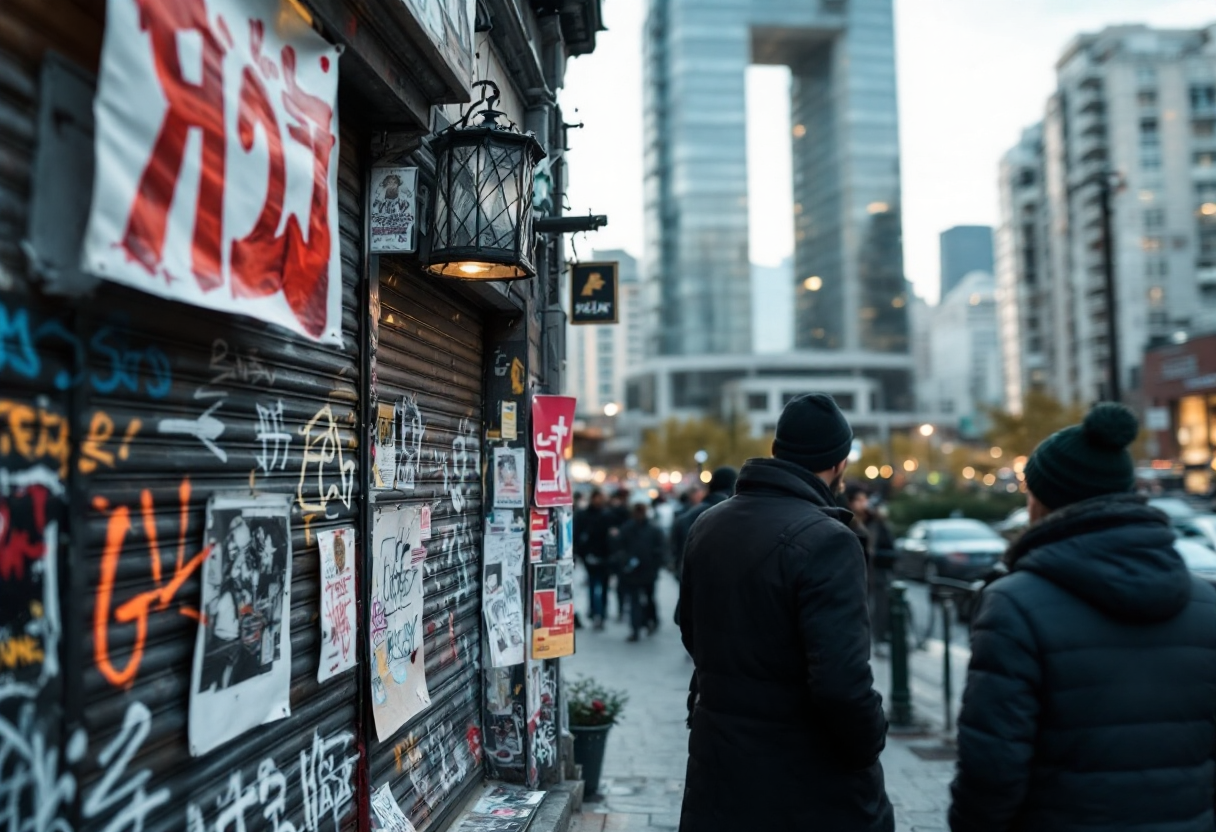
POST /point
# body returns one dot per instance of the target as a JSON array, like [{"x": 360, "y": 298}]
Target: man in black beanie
[
  {"x": 786, "y": 726},
  {"x": 1091, "y": 696}
]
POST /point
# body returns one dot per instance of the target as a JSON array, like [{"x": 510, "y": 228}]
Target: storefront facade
[
  {"x": 1180, "y": 407},
  {"x": 243, "y": 456}
]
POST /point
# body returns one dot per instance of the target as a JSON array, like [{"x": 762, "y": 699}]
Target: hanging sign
[
  {"x": 593, "y": 293},
  {"x": 216, "y": 143},
  {"x": 552, "y": 422},
  {"x": 242, "y": 655}
]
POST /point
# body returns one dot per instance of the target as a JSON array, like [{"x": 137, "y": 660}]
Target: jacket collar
[
  {"x": 780, "y": 477},
  {"x": 1092, "y": 515}
]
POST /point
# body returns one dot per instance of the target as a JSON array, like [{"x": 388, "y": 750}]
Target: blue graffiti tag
[{"x": 21, "y": 343}]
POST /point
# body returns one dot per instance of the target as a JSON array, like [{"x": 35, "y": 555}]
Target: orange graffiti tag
[
  {"x": 101, "y": 431},
  {"x": 142, "y": 605}
]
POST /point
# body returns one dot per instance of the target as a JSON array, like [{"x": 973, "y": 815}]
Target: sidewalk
[{"x": 643, "y": 780}]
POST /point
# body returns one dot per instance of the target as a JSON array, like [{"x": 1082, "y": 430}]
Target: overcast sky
[{"x": 972, "y": 74}]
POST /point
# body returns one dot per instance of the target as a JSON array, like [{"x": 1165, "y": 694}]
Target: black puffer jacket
[
  {"x": 1091, "y": 696},
  {"x": 787, "y": 729}
]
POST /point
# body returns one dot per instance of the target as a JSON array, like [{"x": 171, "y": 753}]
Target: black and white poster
[
  {"x": 394, "y": 209},
  {"x": 242, "y": 656},
  {"x": 509, "y": 478}
]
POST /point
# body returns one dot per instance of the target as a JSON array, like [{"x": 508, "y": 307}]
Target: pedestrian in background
[
  {"x": 640, "y": 548},
  {"x": 618, "y": 514},
  {"x": 721, "y": 489},
  {"x": 787, "y": 727},
  {"x": 593, "y": 546},
  {"x": 876, "y": 541},
  {"x": 1091, "y": 695}
]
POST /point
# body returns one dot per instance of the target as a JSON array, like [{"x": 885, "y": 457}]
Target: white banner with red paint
[
  {"x": 552, "y": 428},
  {"x": 217, "y": 160}
]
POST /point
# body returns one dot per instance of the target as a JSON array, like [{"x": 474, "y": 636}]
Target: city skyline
[{"x": 946, "y": 181}]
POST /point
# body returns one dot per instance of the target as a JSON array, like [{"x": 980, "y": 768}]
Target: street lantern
[{"x": 483, "y": 197}]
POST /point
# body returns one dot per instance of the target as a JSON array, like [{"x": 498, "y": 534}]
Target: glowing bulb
[
  {"x": 813, "y": 283},
  {"x": 926, "y": 430},
  {"x": 473, "y": 268},
  {"x": 706, "y": 477},
  {"x": 676, "y": 477},
  {"x": 611, "y": 409},
  {"x": 887, "y": 472},
  {"x": 872, "y": 472}
]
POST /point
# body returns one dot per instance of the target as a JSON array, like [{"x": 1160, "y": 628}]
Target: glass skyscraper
[{"x": 850, "y": 293}]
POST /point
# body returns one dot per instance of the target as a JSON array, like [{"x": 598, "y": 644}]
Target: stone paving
[{"x": 644, "y": 764}]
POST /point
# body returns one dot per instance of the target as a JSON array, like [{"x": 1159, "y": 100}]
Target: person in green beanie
[{"x": 1091, "y": 694}]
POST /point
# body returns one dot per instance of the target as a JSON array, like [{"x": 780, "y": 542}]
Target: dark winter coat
[
  {"x": 1091, "y": 696},
  {"x": 787, "y": 728},
  {"x": 682, "y": 526},
  {"x": 639, "y": 554},
  {"x": 593, "y": 541}
]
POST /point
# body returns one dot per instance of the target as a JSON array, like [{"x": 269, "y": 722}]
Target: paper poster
[
  {"x": 242, "y": 655},
  {"x": 394, "y": 209},
  {"x": 386, "y": 445},
  {"x": 566, "y": 526},
  {"x": 509, "y": 478},
  {"x": 388, "y": 814},
  {"x": 502, "y": 603},
  {"x": 552, "y": 611},
  {"x": 539, "y": 535},
  {"x": 426, "y": 522},
  {"x": 337, "y": 602},
  {"x": 501, "y": 808},
  {"x": 410, "y": 428},
  {"x": 510, "y": 421},
  {"x": 398, "y": 672},
  {"x": 216, "y": 176},
  {"x": 552, "y": 422}
]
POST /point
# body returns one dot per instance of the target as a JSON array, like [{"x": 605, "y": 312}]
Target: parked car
[
  {"x": 1198, "y": 558},
  {"x": 961, "y": 548},
  {"x": 1014, "y": 524},
  {"x": 1200, "y": 528},
  {"x": 1176, "y": 508}
]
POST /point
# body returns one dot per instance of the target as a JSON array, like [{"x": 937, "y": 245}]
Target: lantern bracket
[
  {"x": 569, "y": 225},
  {"x": 490, "y": 95}
]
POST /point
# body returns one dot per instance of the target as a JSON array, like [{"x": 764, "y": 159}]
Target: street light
[
  {"x": 611, "y": 409},
  {"x": 702, "y": 456},
  {"x": 926, "y": 430}
]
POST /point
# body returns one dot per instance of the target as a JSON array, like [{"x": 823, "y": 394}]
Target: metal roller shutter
[
  {"x": 165, "y": 405},
  {"x": 429, "y": 355},
  {"x": 195, "y": 403}
]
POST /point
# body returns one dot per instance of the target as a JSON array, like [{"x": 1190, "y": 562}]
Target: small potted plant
[{"x": 593, "y": 710}]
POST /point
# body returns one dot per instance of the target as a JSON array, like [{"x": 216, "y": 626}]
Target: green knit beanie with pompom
[{"x": 1085, "y": 460}]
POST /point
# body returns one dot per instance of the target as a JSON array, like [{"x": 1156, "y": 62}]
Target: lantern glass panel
[{"x": 483, "y": 217}]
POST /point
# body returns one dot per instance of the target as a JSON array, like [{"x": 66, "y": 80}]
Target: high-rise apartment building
[
  {"x": 964, "y": 249},
  {"x": 963, "y": 376},
  {"x": 849, "y": 291},
  {"x": 1135, "y": 107},
  {"x": 599, "y": 356},
  {"x": 1022, "y": 271}
]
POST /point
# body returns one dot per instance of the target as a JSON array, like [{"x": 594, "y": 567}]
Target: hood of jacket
[
  {"x": 1114, "y": 552},
  {"x": 777, "y": 477}
]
